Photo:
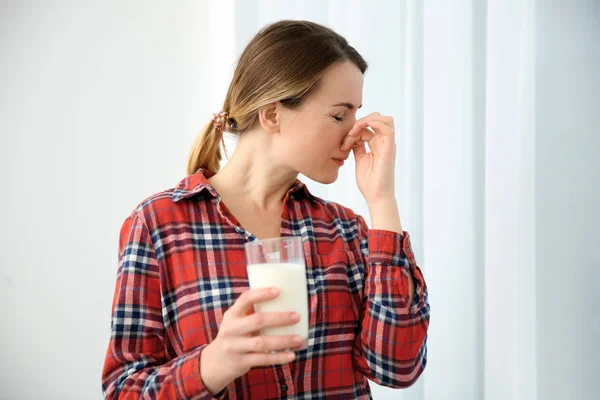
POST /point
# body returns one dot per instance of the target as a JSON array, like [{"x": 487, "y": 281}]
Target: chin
[{"x": 323, "y": 176}]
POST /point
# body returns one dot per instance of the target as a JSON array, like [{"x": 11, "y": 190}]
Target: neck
[{"x": 251, "y": 174}]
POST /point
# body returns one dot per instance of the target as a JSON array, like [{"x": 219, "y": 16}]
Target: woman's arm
[
  {"x": 385, "y": 217},
  {"x": 391, "y": 346},
  {"x": 136, "y": 365}
]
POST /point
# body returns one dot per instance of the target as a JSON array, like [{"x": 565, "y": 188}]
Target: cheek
[
  {"x": 334, "y": 131},
  {"x": 316, "y": 140},
  {"x": 320, "y": 136},
  {"x": 330, "y": 137}
]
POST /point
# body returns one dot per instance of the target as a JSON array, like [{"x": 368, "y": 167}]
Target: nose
[{"x": 351, "y": 120}]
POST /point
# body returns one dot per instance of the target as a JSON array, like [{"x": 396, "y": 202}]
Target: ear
[{"x": 269, "y": 118}]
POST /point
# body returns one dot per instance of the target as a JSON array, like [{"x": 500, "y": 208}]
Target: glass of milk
[{"x": 279, "y": 262}]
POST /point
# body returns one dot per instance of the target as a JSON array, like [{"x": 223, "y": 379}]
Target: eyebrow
[{"x": 347, "y": 105}]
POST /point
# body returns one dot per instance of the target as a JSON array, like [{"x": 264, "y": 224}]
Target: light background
[{"x": 498, "y": 140}]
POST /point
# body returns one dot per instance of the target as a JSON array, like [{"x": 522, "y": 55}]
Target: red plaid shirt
[{"x": 181, "y": 265}]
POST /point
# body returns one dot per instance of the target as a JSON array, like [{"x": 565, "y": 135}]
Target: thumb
[{"x": 359, "y": 150}]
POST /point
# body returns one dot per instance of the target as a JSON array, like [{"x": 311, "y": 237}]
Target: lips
[{"x": 339, "y": 161}]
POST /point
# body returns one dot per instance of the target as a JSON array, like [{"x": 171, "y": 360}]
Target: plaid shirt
[{"x": 181, "y": 265}]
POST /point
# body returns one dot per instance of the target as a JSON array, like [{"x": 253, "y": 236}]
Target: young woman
[{"x": 182, "y": 324}]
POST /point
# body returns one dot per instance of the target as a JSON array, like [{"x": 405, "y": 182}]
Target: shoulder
[
  {"x": 180, "y": 204},
  {"x": 138, "y": 227},
  {"x": 152, "y": 209},
  {"x": 153, "y": 204}
]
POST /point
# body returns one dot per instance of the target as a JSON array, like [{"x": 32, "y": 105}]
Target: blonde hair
[{"x": 284, "y": 62}]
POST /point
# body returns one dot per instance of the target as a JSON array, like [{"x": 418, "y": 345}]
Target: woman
[{"x": 183, "y": 326}]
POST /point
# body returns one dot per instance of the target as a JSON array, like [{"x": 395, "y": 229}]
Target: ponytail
[{"x": 206, "y": 150}]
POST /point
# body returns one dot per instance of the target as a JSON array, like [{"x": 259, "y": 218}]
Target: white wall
[
  {"x": 99, "y": 105},
  {"x": 567, "y": 192},
  {"x": 453, "y": 194}
]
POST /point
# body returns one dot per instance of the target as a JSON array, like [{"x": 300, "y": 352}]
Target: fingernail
[
  {"x": 291, "y": 356},
  {"x": 274, "y": 291},
  {"x": 297, "y": 340},
  {"x": 295, "y": 316}
]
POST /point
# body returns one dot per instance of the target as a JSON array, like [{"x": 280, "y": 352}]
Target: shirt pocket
[{"x": 338, "y": 295}]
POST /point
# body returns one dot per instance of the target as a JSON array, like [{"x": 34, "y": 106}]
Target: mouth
[{"x": 338, "y": 161}]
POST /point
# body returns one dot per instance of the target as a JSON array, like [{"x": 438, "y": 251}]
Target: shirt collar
[{"x": 198, "y": 182}]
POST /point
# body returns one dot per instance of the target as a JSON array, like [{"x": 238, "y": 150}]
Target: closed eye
[{"x": 339, "y": 119}]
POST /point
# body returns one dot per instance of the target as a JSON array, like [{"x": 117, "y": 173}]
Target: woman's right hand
[{"x": 239, "y": 345}]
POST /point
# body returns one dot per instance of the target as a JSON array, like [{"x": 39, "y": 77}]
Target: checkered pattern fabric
[{"x": 181, "y": 266}]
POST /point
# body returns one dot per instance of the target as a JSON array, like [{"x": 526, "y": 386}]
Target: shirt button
[{"x": 284, "y": 388}]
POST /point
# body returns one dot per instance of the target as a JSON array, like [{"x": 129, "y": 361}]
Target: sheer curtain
[{"x": 460, "y": 80}]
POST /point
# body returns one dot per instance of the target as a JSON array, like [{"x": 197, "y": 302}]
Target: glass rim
[{"x": 258, "y": 241}]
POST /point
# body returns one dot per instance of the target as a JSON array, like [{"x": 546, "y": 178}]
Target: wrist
[
  {"x": 385, "y": 215},
  {"x": 212, "y": 376},
  {"x": 382, "y": 202}
]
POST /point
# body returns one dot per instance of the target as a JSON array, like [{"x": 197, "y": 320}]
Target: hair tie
[{"x": 222, "y": 121}]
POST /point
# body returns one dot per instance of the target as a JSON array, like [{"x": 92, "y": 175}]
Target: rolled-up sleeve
[{"x": 391, "y": 347}]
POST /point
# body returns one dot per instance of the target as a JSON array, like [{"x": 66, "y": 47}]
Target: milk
[{"x": 290, "y": 279}]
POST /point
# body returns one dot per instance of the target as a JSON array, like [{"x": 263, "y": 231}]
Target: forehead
[{"x": 342, "y": 82}]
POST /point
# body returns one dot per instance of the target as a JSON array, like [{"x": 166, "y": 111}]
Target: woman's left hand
[{"x": 374, "y": 169}]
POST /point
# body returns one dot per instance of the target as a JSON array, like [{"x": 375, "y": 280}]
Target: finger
[
  {"x": 359, "y": 150},
  {"x": 260, "y": 320},
  {"x": 363, "y": 122},
  {"x": 247, "y": 299},
  {"x": 358, "y": 126},
  {"x": 389, "y": 121},
  {"x": 264, "y": 343},
  {"x": 366, "y": 135},
  {"x": 379, "y": 128},
  {"x": 350, "y": 141},
  {"x": 266, "y": 359}
]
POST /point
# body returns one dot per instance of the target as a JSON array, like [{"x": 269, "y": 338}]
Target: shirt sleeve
[
  {"x": 136, "y": 365},
  {"x": 391, "y": 346}
]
